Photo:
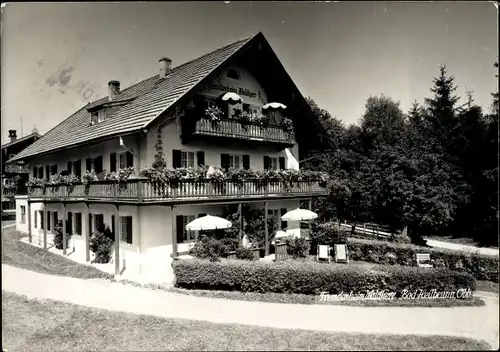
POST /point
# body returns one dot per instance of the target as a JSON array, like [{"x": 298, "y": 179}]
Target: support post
[
  {"x": 29, "y": 222},
  {"x": 174, "y": 231},
  {"x": 46, "y": 224},
  {"x": 266, "y": 230},
  {"x": 240, "y": 221},
  {"x": 64, "y": 229},
  {"x": 87, "y": 233},
  {"x": 117, "y": 240},
  {"x": 310, "y": 225}
]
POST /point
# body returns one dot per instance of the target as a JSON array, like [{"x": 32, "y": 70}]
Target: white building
[{"x": 121, "y": 130}]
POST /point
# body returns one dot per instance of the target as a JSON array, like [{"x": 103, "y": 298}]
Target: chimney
[
  {"x": 12, "y": 135},
  {"x": 165, "y": 64},
  {"x": 114, "y": 89}
]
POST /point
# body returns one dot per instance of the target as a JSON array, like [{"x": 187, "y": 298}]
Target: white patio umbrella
[
  {"x": 231, "y": 98},
  {"x": 299, "y": 215},
  {"x": 274, "y": 106},
  {"x": 208, "y": 222}
]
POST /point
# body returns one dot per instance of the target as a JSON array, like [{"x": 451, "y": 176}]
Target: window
[
  {"x": 35, "y": 172},
  {"x": 69, "y": 167},
  {"x": 188, "y": 235},
  {"x": 99, "y": 222},
  {"x": 78, "y": 223},
  {"x": 97, "y": 163},
  {"x": 126, "y": 159},
  {"x": 48, "y": 220},
  {"x": 235, "y": 161},
  {"x": 273, "y": 163},
  {"x": 97, "y": 116},
  {"x": 35, "y": 224},
  {"x": 23, "y": 214},
  {"x": 53, "y": 169},
  {"x": 232, "y": 73},
  {"x": 40, "y": 172},
  {"x": 54, "y": 214},
  {"x": 77, "y": 168},
  {"x": 126, "y": 229},
  {"x": 187, "y": 159}
]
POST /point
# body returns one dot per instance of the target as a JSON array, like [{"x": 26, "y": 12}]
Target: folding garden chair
[
  {"x": 324, "y": 253},
  {"x": 341, "y": 253}
]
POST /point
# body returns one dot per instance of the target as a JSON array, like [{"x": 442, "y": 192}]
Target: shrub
[
  {"x": 207, "y": 247},
  {"x": 244, "y": 253},
  {"x": 313, "y": 278},
  {"x": 297, "y": 247},
  {"x": 400, "y": 239},
  {"x": 58, "y": 237},
  {"x": 100, "y": 244},
  {"x": 483, "y": 267}
]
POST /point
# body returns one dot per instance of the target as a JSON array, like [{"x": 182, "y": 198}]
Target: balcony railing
[
  {"x": 11, "y": 192},
  {"x": 250, "y": 131},
  {"x": 139, "y": 190}
]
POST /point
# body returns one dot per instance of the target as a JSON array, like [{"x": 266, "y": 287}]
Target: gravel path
[
  {"x": 480, "y": 323},
  {"x": 462, "y": 247}
]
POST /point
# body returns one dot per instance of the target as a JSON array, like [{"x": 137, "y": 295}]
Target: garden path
[{"x": 480, "y": 323}]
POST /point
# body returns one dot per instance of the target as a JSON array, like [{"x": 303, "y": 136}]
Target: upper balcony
[
  {"x": 142, "y": 190},
  {"x": 235, "y": 129}
]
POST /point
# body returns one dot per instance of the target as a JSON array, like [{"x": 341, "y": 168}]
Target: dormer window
[
  {"x": 232, "y": 73},
  {"x": 97, "y": 116}
]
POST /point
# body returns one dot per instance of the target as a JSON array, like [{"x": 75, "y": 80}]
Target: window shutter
[
  {"x": 54, "y": 169},
  {"x": 200, "y": 156},
  {"x": 88, "y": 164},
  {"x": 176, "y": 158},
  {"x": 35, "y": 172},
  {"x": 266, "y": 162},
  {"x": 180, "y": 230},
  {"x": 40, "y": 172},
  {"x": 282, "y": 162},
  {"x": 48, "y": 220},
  {"x": 283, "y": 212},
  {"x": 112, "y": 162},
  {"x": 47, "y": 171},
  {"x": 42, "y": 222},
  {"x": 129, "y": 229},
  {"x": 77, "y": 165},
  {"x": 90, "y": 224},
  {"x": 224, "y": 161},
  {"x": 69, "y": 166},
  {"x": 69, "y": 223},
  {"x": 130, "y": 159},
  {"x": 246, "y": 162},
  {"x": 113, "y": 227}
]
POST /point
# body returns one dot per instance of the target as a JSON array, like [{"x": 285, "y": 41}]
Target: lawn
[
  {"x": 25, "y": 256},
  {"x": 56, "y": 326}
]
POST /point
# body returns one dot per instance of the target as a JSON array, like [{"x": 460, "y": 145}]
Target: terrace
[
  {"x": 142, "y": 190},
  {"x": 235, "y": 129}
]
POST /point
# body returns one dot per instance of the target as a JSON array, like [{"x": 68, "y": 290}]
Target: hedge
[
  {"x": 305, "y": 277},
  {"x": 482, "y": 267}
]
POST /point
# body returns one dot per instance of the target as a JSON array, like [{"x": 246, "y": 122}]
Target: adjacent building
[
  {"x": 185, "y": 113},
  {"x": 14, "y": 175}
]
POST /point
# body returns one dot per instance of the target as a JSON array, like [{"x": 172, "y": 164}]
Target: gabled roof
[
  {"x": 152, "y": 97},
  {"x": 32, "y": 135}
]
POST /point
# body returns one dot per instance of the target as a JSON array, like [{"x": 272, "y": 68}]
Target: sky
[{"x": 56, "y": 57}]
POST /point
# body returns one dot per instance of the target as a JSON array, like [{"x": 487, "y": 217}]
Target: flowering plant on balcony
[
  {"x": 36, "y": 182},
  {"x": 217, "y": 176},
  {"x": 287, "y": 126},
  {"x": 121, "y": 176},
  {"x": 238, "y": 175},
  {"x": 259, "y": 119},
  {"x": 214, "y": 114},
  {"x": 9, "y": 187},
  {"x": 89, "y": 176}
]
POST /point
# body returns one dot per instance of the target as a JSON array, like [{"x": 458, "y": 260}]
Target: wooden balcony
[
  {"x": 143, "y": 191},
  {"x": 17, "y": 169},
  {"x": 232, "y": 128}
]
